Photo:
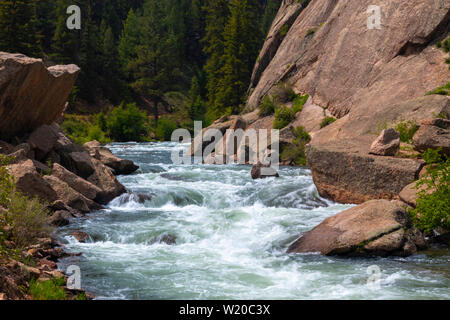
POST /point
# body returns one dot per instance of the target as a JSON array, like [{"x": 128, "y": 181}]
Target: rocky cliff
[{"x": 366, "y": 78}]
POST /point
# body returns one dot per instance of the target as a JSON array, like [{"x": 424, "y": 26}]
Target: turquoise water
[{"x": 231, "y": 238}]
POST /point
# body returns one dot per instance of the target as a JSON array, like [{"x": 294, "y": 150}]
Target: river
[{"x": 231, "y": 237}]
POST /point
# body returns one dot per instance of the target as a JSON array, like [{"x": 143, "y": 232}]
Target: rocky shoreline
[{"x": 71, "y": 180}]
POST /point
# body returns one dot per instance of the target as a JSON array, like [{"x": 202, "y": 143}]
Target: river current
[{"x": 211, "y": 232}]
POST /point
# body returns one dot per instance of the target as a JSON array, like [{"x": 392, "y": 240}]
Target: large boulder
[
  {"x": 345, "y": 172},
  {"x": 31, "y": 94},
  {"x": 387, "y": 144},
  {"x": 84, "y": 187},
  {"x": 378, "y": 227},
  {"x": 43, "y": 140},
  {"x": 433, "y": 134},
  {"x": 104, "y": 178},
  {"x": 71, "y": 197},
  {"x": 120, "y": 166},
  {"x": 30, "y": 182}
]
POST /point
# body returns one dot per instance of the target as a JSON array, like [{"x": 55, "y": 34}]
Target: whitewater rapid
[{"x": 230, "y": 237}]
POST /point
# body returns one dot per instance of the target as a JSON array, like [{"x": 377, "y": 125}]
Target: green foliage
[
  {"x": 295, "y": 153},
  {"x": 47, "y": 290},
  {"x": 327, "y": 121},
  {"x": 283, "y": 92},
  {"x": 433, "y": 204},
  {"x": 25, "y": 219},
  {"x": 267, "y": 106},
  {"x": 444, "y": 45},
  {"x": 283, "y": 116},
  {"x": 299, "y": 102},
  {"x": 126, "y": 123},
  {"x": 284, "y": 30},
  {"x": 242, "y": 40},
  {"x": 18, "y": 27},
  {"x": 407, "y": 130},
  {"x": 444, "y": 90},
  {"x": 165, "y": 129}
]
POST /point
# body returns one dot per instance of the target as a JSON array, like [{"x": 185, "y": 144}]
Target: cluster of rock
[
  {"x": 15, "y": 275},
  {"x": 72, "y": 179}
]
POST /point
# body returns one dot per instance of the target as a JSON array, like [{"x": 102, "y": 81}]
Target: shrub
[
  {"x": 299, "y": 102},
  {"x": 266, "y": 107},
  {"x": 327, "y": 121},
  {"x": 25, "y": 219},
  {"x": 283, "y": 93},
  {"x": 284, "y": 30},
  {"x": 127, "y": 123},
  {"x": 296, "y": 153},
  {"x": 433, "y": 210},
  {"x": 165, "y": 129},
  {"x": 47, "y": 290},
  {"x": 283, "y": 116},
  {"x": 443, "y": 91},
  {"x": 407, "y": 130}
]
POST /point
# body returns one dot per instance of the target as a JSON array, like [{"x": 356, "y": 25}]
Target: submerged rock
[
  {"x": 378, "y": 228},
  {"x": 81, "y": 236},
  {"x": 261, "y": 171}
]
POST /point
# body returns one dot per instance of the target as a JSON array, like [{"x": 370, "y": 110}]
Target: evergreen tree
[
  {"x": 217, "y": 13},
  {"x": 242, "y": 41},
  {"x": 18, "y": 27},
  {"x": 269, "y": 14},
  {"x": 155, "y": 69}
]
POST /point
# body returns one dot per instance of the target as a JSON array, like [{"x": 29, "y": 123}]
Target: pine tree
[
  {"x": 242, "y": 42},
  {"x": 217, "y": 13},
  {"x": 155, "y": 70},
  {"x": 129, "y": 40},
  {"x": 18, "y": 27},
  {"x": 269, "y": 14}
]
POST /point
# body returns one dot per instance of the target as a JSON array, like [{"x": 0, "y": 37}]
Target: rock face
[
  {"x": 366, "y": 78},
  {"x": 387, "y": 144},
  {"x": 31, "y": 94},
  {"x": 120, "y": 166},
  {"x": 29, "y": 181},
  {"x": 345, "y": 172},
  {"x": 330, "y": 53},
  {"x": 377, "y": 227},
  {"x": 433, "y": 134}
]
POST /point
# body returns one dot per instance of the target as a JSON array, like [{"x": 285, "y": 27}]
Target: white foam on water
[{"x": 231, "y": 234}]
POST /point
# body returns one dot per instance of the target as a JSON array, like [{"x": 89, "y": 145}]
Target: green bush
[
  {"x": 266, "y": 107},
  {"x": 295, "y": 153},
  {"x": 283, "y": 116},
  {"x": 127, "y": 123},
  {"x": 327, "y": 121},
  {"x": 283, "y": 92},
  {"x": 25, "y": 219},
  {"x": 47, "y": 290},
  {"x": 299, "y": 102},
  {"x": 443, "y": 91},
  {"x": 407, "y": 130},
  {"x": 165, "y": 129},
  {"x": 433, "y": 210}
]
